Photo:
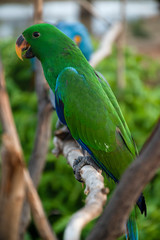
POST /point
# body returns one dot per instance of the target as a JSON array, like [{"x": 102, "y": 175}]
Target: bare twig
[
  {"x": 12, "y": 190},
  {"x": 107, "y": 41},
  {"x": 6, "y": 113},
  {"x": 37, "y": 210},
  {"x": 34, "y": 201},
  {"x": 112, "y": 223},
  {"x": 92, "y": 10},
  {"x": 97, "y": 193},
  {"x": 43, "y": 132},
  {"x": 12, "y": 183},
  {"x": 121, "y": 82},
  {"x": 38, "y": 11},
  {"x": 85, "y": 16}
]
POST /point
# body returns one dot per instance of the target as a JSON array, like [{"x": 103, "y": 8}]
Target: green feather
[{"x": 91, "y": 117}]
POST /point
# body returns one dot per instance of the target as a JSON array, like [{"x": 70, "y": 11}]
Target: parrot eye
[{"x": 36, "y": 34}]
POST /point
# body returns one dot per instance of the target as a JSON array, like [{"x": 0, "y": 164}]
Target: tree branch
[
  {"x": 121, "y": 75},
  {"x": 6, "y": 113},
  {"x": 112, "y": 223},
  {"x": 38, "y": 11},
  {"x": 12, "y": 190},
  {"x": 93, "y": 10},
  {"x": 12, "y": 182},
  {"x": 37, "y": 210},
  {"x": 32, "y": 196},
  {"x": 43, "y": 131},
  {"x": 107, "y": 41},
  {"x": 43, "y": 134},
  {"x": 97, "y": 193}
]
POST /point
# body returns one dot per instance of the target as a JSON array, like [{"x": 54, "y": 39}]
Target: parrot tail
[{"x": 132, "y": 229}]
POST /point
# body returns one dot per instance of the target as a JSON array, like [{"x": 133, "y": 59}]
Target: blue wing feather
[{"x": 60, "y": 108}]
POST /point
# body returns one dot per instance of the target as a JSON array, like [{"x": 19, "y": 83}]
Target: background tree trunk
[
  {"x": 86, "y": 16},
  {"x": 121, "y": 81},
  {"x": 12, "y": 181}
]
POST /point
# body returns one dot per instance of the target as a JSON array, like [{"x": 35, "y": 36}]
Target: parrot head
[
  {"x": 25, "y": 40},
  {"x": 52, "y": 47},
  {"x": 40, "y": 40}
]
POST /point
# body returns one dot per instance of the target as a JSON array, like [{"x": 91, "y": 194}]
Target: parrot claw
[
  {"x": 63, "y": 133},
  {"x": 81, "y": 162}
]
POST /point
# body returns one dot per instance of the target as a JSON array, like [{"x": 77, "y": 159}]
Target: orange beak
[
  {"x": 77, "y": 39},
  {"x": 21, "y": 46}
]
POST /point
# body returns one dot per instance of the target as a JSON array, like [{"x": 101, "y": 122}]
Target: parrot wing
[
  {"x": 94, "y": 120},
  {"x": 112, "y": 98}
]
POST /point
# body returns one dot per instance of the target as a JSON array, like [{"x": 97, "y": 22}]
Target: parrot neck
[
  {"x": 50, "y": 74},
  {"x": 53, "y": 66}
]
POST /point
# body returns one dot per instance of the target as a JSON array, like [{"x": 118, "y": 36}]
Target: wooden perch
[
  {"x": 107, "y": 41},
  {"x": 32, "y": 196},
  {"x": 112, "y": 223},
  {"x": 97, "y": 193}
]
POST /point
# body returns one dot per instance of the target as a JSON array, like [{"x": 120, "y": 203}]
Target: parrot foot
[
  {"x": 81, "y": 162},
  {"x": 63, "y": 133}
]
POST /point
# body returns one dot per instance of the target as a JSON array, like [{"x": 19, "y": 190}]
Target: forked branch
[
  {"x": 16, "y": 176},
  {"x": 95, "y": 190},
  {"x": 112, "y": 223}
]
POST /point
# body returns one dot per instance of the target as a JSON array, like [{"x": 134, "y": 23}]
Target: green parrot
[{"x": 84, "y": 101}]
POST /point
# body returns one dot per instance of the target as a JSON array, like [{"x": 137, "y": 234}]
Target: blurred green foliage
[
  {"x": 138, "y": 29},
  {"x": 60, "y": 193}
]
